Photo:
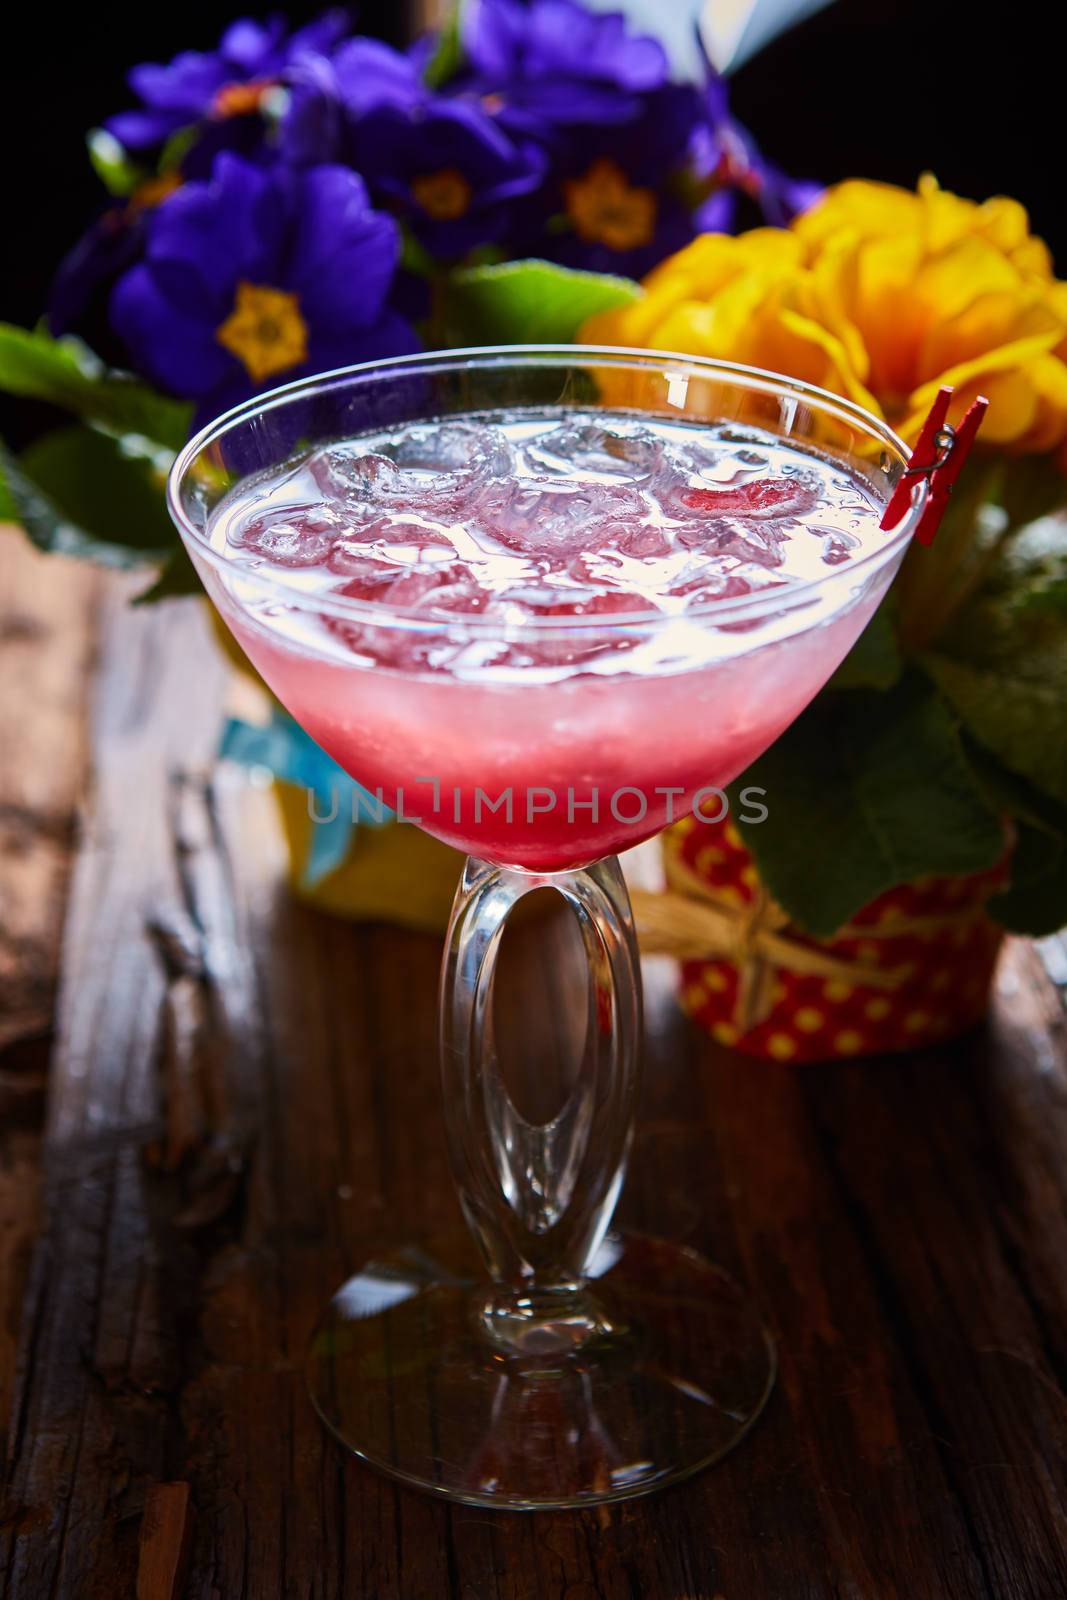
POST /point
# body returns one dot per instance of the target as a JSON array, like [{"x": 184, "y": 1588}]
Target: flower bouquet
[
  {"x": 919, "y": 806},
  {"x": 296, "y": 201},
  {"x": 292, "y": 202}
]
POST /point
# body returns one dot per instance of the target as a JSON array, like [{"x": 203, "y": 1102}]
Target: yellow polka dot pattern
[{"x": 932, "y": 939}]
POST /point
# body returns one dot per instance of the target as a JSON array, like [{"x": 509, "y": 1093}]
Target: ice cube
[
  {"x": 369, "y": 581},
  {"x": 464, "y": 597},
  {"x": 296, "y": 536},
  {"x": 454, "y": 447},
  {"x": 412, "y": 586},
  {"x": 707, "y": 534},
  {"x": 759, "y": 542},
  {"x": 436, "y": 595},
  {"x": 720, "y": 586},
  {"x": 837, "y": 546},
  {"x": 589, "y": 447},
  {"x": 643, "y": 540},
  {"x": 540, "y": 598},
  {"x": 761, "y": 499},
  {"x": 438, "y": 471},
  {"x": 541, "y": 516},
  {"x": 732, "y": 583},
  {"x": 346, "y": 474},
  {"x": 579, "y": 646},
  {"x": 378, "y": 584},
  {"x": 714, "y": 464},
  {"x": 606, "y": 603},
  {"x": 699, "y": 573},
  {"x": 399, "y": 538},
  {"x": 451, "y": 588}
]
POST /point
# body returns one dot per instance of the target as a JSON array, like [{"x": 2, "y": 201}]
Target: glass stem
[{"x": 538, "y": 1198}]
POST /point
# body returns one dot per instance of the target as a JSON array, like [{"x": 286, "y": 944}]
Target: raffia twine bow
[{"x": 692, "y": 920}]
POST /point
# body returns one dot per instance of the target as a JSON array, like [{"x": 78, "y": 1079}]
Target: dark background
[{"x": 878, "y": 88}]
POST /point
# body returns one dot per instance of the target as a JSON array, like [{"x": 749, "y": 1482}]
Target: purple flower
[
  {"x": 441, "y": 162},
  {"x": 327, "y": 94},
  {"x": 218, "y": 85},
  {"x": 107, "y": 247},
  {"x": 371, "y": 74},
  {"x": 617, "y": 195},
  {"x": 622, "y": 196},
  {"x": 553, "y": 63},
  {"x": 446, "y": 168},
  {"x": 636, "y": 164},
  {"x": 257, "y": 277}
]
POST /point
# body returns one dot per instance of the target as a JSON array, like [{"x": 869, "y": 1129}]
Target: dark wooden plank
[
  {"x": 103, "y": 1337},
  {"x": 246, "y": 1103},
  {"x": 166, "y": 1529},
  {"x": 958, "y": 1198},
  {"x": 1021, "y": 1082},
  {"x": 47, "y": 626}
]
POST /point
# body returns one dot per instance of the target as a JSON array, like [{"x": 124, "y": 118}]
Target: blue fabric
[{"x": 337, "y": 804}]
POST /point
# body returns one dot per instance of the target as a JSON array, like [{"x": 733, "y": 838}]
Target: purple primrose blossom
[
  {"x": 220, "y": 84},
  {"x": 257, "y": 277}
]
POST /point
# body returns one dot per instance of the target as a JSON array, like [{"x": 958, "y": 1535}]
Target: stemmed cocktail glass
[{"x": 585, "y": 1365}]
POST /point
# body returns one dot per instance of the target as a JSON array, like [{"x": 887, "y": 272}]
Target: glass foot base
[{"x": 403, "y": 1374}]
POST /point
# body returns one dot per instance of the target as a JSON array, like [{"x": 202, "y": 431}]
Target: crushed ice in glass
[{"x": 555, "y": 513}]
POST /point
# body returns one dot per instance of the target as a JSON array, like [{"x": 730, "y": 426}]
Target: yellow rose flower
[
  {"x": 881, "y": 295},
  {"x": 750, "y": 299},
  {"x": 878, "y": 211}
]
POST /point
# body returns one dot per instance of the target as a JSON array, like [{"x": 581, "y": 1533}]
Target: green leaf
[
  {"x": 866, "y": 791},
  {"x": 178, "y": 147},
  {"x": 485, "y": 255},
  {"x": 447, "y": 57},
  {"x": 66, "y": 373},
  {"x": 1002, "y": 664},
  {"x": 112, "y": 163},
  {"x": 1017, "y": 710},
  {"x": 1035, "y": 901},
  {"x": 527, "y": 302},
  {"x": 874, "y": 662},
  {"x": 414, "y": 256},
  {"x": 49, "y": 527},
  {"x": 177, "y": 578},
  {"x": 109, "y": 487}
]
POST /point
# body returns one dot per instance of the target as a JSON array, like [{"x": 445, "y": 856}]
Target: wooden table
[{"x": 903, "y": 1223}]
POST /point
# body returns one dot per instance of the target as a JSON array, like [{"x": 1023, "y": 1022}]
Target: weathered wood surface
[
  {"x": 244, "y": 1100},
  {"x": 47, "y": 628},
  {"x": 47, "y": 625}
]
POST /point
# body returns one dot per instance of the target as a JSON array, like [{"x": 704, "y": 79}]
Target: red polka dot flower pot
[{"x": 913, "y": 967}]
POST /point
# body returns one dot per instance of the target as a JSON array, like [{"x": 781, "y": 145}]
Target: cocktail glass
[{"x": 581, "y": 1365}]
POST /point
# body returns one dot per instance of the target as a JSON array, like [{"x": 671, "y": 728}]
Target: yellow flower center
[
  {"x": 153, "y": 191},
  {"x": 265, "y": 330},
  {"x": 607, "y": 209},
  {"x": 443, "y": 195},
  {"x": 241, "y": 99}
]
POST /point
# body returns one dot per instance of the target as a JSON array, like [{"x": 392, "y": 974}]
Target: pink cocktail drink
[
  {"x": 545, "y": 634},
  {"x": 541, "y": 600}
]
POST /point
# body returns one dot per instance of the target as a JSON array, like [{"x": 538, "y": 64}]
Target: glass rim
[{"x": 411, "y": 619}]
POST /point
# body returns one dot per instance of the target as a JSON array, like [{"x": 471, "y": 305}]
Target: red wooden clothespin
[{"x": 938, "y": 456}]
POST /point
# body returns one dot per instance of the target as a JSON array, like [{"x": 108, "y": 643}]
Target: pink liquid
[{"x": 547, "y": 747}]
